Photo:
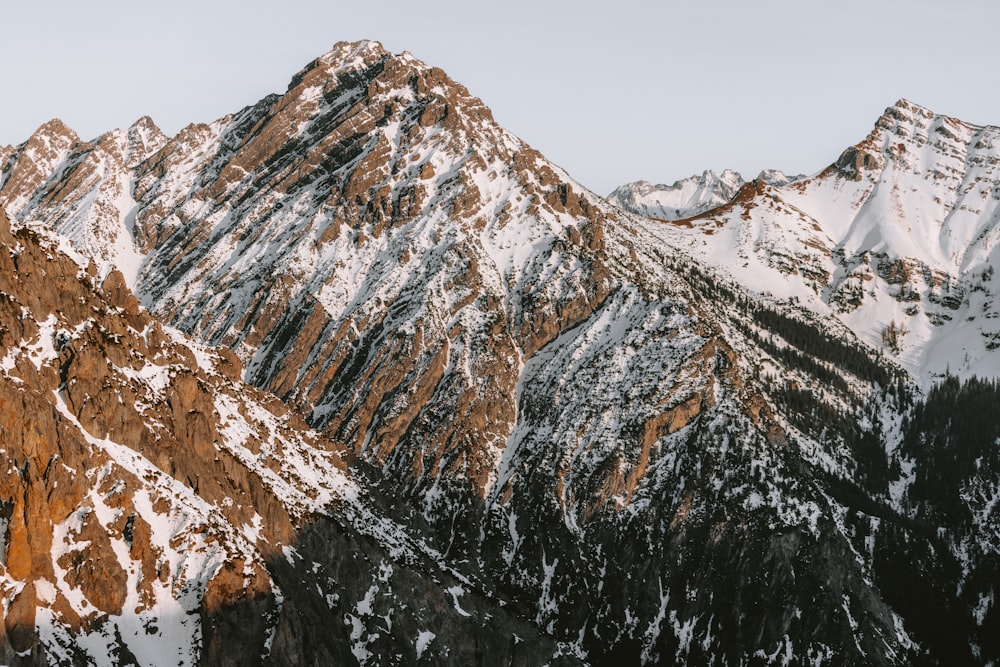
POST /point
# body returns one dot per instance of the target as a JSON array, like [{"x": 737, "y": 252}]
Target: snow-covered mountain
[
  {"x": 689, "y": 196},
  {"x": 156, "y": 510},
  {"x": 897, "y": 239},
  {"x": 577, "y": 420}
]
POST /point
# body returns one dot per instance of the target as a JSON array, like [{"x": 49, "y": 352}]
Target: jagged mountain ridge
[
  {"x": 423, "y": 286},
  {"x": 689, "y": 196},
  {"x": 156, "y": 510},
  {"x": 896, "y": 237},
  {"x": 319, "y": 255}
]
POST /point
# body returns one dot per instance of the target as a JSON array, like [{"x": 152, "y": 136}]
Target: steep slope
[
  {"x": 273, "y": 232},
  {"x": 91, "y": 196},
  {"x": 156, "y": 511},
  {"x": 897, "y": 239},
  {"x": 640, "y": 458},
  {"x": 949, "y": 445},
  {"x": 689, "y": 196}
]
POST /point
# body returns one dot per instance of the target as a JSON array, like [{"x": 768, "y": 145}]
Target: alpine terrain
[
  {"x": 688, "y": 196},
  {"x": 393, "y": 388}
]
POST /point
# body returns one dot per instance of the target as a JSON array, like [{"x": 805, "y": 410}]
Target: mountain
[
  {"x": 156, "y": 510},
  {"x": 689, "y": 196},
  {"x": 615, "y": 451},
  {"x": 896, "y": 239}
]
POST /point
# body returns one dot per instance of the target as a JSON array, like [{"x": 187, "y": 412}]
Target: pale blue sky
[{"x": 612, "y": 91}]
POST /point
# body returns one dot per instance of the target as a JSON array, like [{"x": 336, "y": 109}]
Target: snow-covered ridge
[
  {"x": 902, "y": 229},
  {"x": 689, "y": 196}
]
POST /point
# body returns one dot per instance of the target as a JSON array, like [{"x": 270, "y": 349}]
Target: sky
[{"x": 612, "y": 91}]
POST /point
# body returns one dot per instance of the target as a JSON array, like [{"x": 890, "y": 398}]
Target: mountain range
[
  {"x": 355, "y": 375},
  {"x": 901, "y": 229},
  {"x": 689, "y": 196}
]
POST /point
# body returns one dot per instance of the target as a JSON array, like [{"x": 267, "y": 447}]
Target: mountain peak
[
  {"x": 142, "y": 139},
  {"x": 684, "y": 198},
  {"x": 144, "y": 124},
  {"x": 904, "y": 113},
  {"x": 904, "y": 104},
  {"x": 777, "y": 178},
  {"x": 348, "y": 54},
  {"x": 135, "y": 143},
  {"x": 724, "y": 175},
  {"x": 34, "y": 159},
  {"x": 344, "y": 56},
  {"x": 54, "y": 128},
  {"x": 901, "y": 133}
]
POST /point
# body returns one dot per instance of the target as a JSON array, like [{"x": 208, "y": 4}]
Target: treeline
[
  {"x": 825, "y": 422},
  {"x": 824, "y": 359},
  {"x": 853, "y": 357},
  {"x": 792, "y": 358},
  {"x": 953, "y": 436}
]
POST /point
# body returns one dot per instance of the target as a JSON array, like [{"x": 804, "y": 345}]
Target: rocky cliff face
[
  {"x": 155, "y": 510},
  {"x": 569, "y": 423}
]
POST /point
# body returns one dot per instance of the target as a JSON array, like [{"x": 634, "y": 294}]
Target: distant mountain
[
  {"x": 897, "y": 239},
  {"x": 590, "y": 428},
  {"x": 689, "y": 196}
]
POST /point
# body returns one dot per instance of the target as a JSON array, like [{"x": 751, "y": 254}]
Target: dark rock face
[{"x": 545, "y": 434}]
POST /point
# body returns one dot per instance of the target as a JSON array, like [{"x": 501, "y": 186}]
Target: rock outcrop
[{"x": 155, "y": 510}]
